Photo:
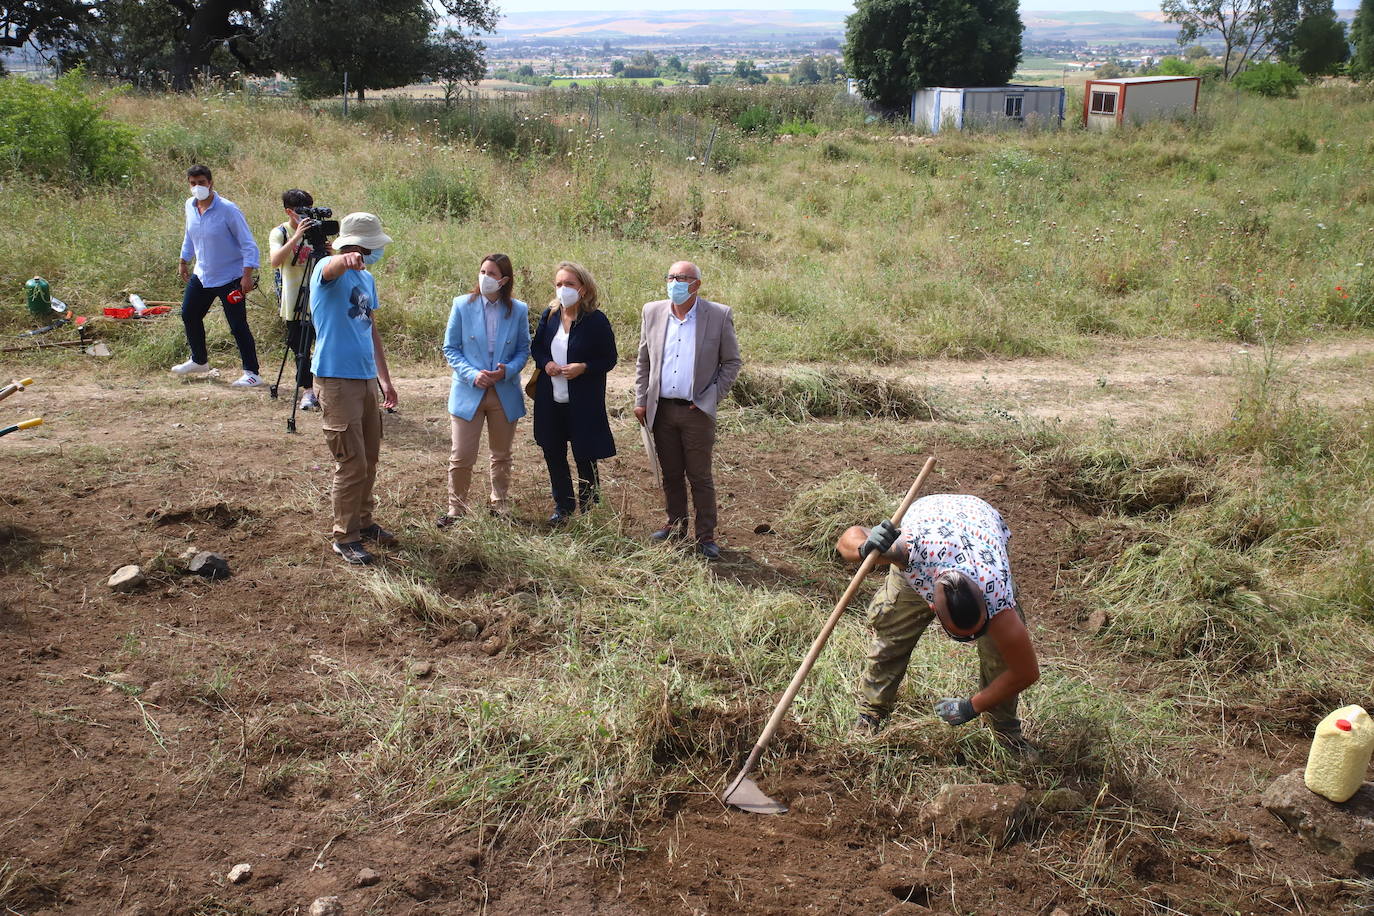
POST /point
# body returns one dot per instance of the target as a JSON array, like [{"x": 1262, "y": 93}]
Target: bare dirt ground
[{"x": 154, "y": 740}]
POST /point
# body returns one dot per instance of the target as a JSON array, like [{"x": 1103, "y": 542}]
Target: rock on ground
[
  {"x": 127, "y": 578},
  {"x": 983, "y": 810},
  {"x": 210, "y": 565},
  {"x": 368, "y": 877},
  {"x": 326, "y": 906},
  {"x": 1344, "y": 830},
  {"x": 240, "y": 873}
]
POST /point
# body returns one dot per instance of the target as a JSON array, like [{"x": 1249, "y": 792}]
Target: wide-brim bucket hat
[{"x": 363, "y": 230}]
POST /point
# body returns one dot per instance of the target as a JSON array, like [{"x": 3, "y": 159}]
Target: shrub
[
  {"x": 181, "y": 144},
  {"x": 834, "y": 152},
  {"x": 429, "y": 194},
  {"x": 1172, "y": 66},
  {"x": 755, "y": 119},
  {"x": 799, "y": 128},
  {"x": 1270, "y": 79},
  {"x": 1296, "y": 140},
  {"x": 58, "y": 134}
]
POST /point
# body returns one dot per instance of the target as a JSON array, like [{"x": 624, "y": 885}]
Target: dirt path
[{"x": 1134, "y": 382}]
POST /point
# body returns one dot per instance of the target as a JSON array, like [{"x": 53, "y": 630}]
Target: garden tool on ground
[
  {"x": 23, "y": 424},
  {"x": 743, "y": 793},
  {"x": 16, "y": 385}
]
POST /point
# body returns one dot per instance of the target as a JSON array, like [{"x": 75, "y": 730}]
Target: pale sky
[{"x": 620, "y": 6}]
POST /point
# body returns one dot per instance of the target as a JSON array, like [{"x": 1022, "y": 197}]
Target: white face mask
[
  {"x": 489, "y": 285},
  {"x": 200, "y": 192},
  {"x": 567, "y": 296},
  {"x": 373, "y": 257}
]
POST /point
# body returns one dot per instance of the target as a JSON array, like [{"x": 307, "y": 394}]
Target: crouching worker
[
  {"x": 349, "y": 365},
  {"x": 949, "y": 561}
]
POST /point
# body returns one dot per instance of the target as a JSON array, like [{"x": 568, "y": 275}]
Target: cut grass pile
[
  {"x": 1242, "y": 549},
  {"x": 801, "y": 393},
  {"x": 816, "y": 518}
]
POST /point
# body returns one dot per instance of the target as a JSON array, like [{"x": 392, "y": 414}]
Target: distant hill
[
  {"x": 683, "y": 25},
  {"x": 691, "y": 26}
]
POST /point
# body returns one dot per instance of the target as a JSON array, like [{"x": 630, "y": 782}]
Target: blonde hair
[{"x": 588, "y": 301}]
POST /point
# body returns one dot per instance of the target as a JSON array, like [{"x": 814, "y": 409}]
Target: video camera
[{"x": 318, "y": 234}]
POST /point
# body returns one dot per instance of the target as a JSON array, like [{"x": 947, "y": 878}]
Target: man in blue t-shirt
[{"x": 349, "y": 365}]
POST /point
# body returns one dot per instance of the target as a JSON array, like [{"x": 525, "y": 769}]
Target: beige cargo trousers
[
  {"x": 353, "y": 429},
  {"x": 899, "y": 616}
]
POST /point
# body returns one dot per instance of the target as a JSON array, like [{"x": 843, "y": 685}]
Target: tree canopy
[
  {"x": 1362, "y": 36},
  {"x": 1249, "y": 29},
  {"x": 1319, "y": 42},
  {"x": 894, "y": 47},
  {"x": 173, "y": 42}
]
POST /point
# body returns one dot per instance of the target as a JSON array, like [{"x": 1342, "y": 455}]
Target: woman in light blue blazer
[{"x": 487, "y": 343}]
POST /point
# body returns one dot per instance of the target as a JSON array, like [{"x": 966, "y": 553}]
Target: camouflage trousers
[{"x": 899, "y": 616}]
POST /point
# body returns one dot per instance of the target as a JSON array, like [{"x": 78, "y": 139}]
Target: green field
[{"x": 565, "y": 82}]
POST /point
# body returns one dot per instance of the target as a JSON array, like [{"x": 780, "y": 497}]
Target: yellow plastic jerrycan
[{"x": 1340, "y": 753}]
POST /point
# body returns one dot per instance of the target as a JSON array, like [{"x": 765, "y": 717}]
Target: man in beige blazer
[{"x": 688, "y": 359}]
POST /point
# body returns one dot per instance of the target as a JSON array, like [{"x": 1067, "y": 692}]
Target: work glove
[
  {"x": 955, "y": 711},
  {"x": 881, "y": 537}
]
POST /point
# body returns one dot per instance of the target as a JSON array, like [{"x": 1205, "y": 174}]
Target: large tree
[
  {"x": 154, "y": 42},
  {"x": 378, "y": 43},
  {"x": 894, "y": 47},
  {"x": 1319, "y": 42},
  {"x": 1362, "y": 37},
  {"x": 455, "y": 59},
  {"x": 51, "y": 24},
  {"x": 1249, "y": 29}
]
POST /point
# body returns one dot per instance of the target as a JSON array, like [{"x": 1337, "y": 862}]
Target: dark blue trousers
[
  {"x": 560, "y": 477},
  {"x": 195, "y": 305}
]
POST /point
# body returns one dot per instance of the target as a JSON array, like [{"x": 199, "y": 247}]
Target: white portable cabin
[
  {"x": 1132, "y": 99},
  {"x": 942, "y": 107}
]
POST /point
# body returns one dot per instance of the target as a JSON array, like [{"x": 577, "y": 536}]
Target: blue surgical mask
[
  {"x": 374, "y": 257},
  {"x": 679, "y": 291}
]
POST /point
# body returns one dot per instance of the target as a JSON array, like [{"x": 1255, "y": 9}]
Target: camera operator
[
  {"x": 219, "y": 239},
  {"x": 290, "y": 253}
]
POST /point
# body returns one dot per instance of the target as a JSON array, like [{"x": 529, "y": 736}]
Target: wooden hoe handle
[{"x": 821, "y": 638}]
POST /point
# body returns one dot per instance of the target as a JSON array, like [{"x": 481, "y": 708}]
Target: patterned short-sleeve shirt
[{"x": 949, "y": 531}]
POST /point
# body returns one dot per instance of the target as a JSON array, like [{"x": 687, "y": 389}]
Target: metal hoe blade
[{"x": 746, "y": 796}]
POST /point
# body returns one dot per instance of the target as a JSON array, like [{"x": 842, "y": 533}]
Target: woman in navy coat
[{"x": 575, "y": 347}]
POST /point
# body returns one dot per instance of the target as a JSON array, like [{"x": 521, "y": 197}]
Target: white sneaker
[
  {"x": 248, "y": 380},
  {"x": 310, "y": 402},
  {"x": 190, "y": 367}
]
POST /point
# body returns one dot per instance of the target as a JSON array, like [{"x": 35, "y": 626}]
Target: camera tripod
[{"x": 307, "y": 331}]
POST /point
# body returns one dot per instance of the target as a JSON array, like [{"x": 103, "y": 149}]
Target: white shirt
[
  {"x": 679, "y": 356},
  {"x": 559, "y": 349},
  {"x": 948, "y": 531},
  {"x": 492, "y": 312}
]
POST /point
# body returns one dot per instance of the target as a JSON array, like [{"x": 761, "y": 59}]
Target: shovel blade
[
  {"x": 98, "y": 349},
  {"x": 745, "y": 795}
]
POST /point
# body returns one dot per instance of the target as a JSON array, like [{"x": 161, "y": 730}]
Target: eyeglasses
[{"x": 687, "y": 278}]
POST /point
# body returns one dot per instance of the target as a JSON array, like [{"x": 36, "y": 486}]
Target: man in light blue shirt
[{"x": 218, "y": 238}]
